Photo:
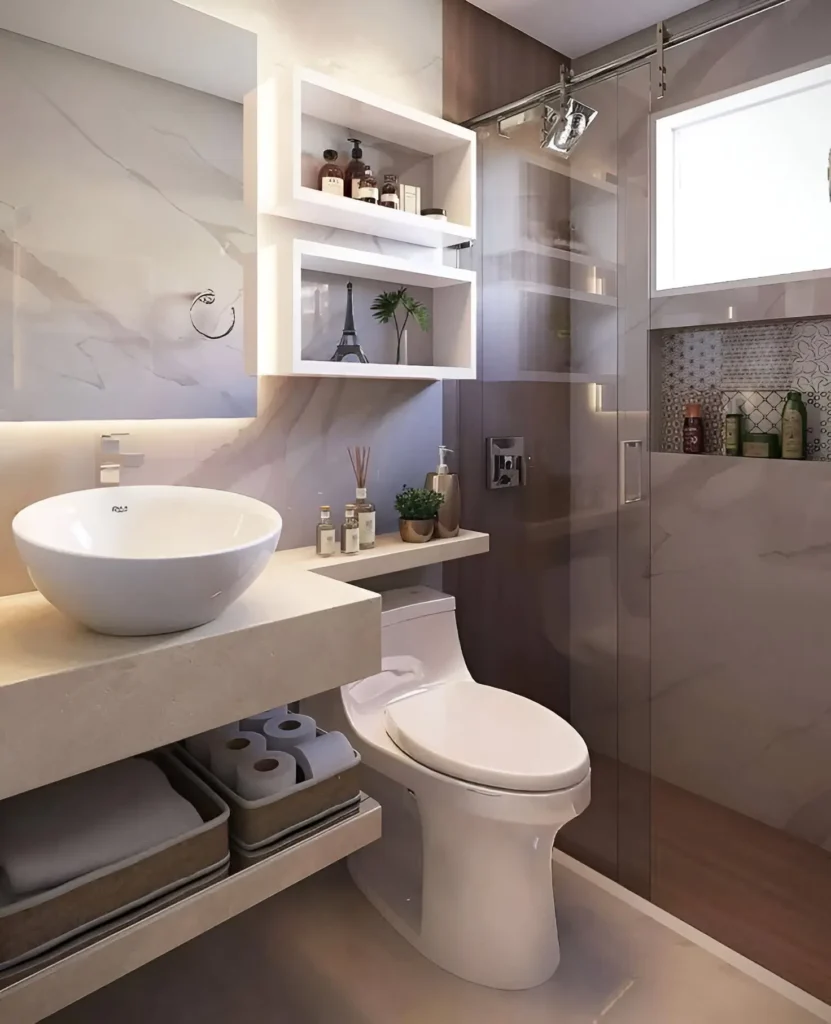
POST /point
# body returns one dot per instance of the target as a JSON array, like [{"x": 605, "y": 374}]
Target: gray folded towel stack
[{"x": 55, "y": 834}]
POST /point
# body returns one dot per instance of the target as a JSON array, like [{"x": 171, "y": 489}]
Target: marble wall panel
[
  {"x": 123, "y": 200},
  {"x": 741, "y": 564},
  {"x": 292, "y": 453}
]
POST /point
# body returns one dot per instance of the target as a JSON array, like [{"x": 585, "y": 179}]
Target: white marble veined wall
[
  {"x": 292, "y": 454},
  {"x": 121, "y": 199},
  {"x": 741, "y": 706}
]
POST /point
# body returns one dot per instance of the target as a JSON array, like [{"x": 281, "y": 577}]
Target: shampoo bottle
[
  {"x": 794, "y": 427},
  {"x": 446, "y": 483}
]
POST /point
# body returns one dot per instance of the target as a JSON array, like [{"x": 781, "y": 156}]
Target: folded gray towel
[{"x": 52, "y": 835}]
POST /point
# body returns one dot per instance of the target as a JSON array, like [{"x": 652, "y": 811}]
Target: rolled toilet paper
[
  {"x": 200, "y": 746},
  {"x": 324, "y": 755},
  {"x": 229, "y": 752},
  {"x": 275, "y": 772},
  {"x": 256, "y": 723},
  {"x": 288, "y": 732}
]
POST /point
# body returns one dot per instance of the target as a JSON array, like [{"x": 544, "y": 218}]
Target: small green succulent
[{"x": 418, "y": 503}]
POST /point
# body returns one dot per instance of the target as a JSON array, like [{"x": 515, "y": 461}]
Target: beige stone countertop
[
  {"x": 390, "y": 554},
  {"x": 72, "y": 700}
]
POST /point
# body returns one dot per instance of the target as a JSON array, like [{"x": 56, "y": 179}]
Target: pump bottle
[{"x": 446, "y": 483}]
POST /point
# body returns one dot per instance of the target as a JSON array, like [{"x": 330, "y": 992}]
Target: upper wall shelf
[
  {"x": 301, "y": 112},
  {"x": 292, "y": 265}
]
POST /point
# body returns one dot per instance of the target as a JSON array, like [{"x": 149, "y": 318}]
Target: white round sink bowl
[{"x": 134, "y": 561}]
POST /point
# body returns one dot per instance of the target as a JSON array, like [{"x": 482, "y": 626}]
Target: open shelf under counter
[
  {"x": 83, "y": 972},
  {"x": 302, "y": 112},
  {"x": 299, "y": 277}
]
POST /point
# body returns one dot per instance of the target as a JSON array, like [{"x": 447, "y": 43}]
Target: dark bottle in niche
[
  {"x": 733, "y": 423},
  {"x": 693, "y": 430},
  {"x": 355, "y": 169},
  {"x": 389, "y": 193},
  {"x": 331, "y": 179},
  {"x": 794, "y": 427},
  {"x": 368, "y": 187}
]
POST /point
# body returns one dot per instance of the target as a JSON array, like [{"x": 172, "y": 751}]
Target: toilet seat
[{"x": 484, "y": 735}]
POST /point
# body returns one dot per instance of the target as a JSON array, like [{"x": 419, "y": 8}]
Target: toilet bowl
[{"x": 474, "y": 782}]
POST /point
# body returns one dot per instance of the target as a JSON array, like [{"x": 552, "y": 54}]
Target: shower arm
[{"x": 665, "y": 40}]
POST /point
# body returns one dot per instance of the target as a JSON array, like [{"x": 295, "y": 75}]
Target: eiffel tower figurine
[{"x": 348, "y": 346}]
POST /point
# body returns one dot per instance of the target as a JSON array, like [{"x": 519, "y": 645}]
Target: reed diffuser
[{"x": 365, "y": 510}]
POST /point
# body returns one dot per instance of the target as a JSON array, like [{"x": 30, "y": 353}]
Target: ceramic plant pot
[{"x": 416, "y": 531}]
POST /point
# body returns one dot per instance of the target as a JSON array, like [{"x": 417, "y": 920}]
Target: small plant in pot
[{"x": 417, "y": 508}]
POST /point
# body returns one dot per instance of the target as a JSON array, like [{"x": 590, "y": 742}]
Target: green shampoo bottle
[{"x": 794, "y": 427}]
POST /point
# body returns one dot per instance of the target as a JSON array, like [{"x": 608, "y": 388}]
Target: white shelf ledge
[
  {"x": 293, "y": 100},
  {"x": 555, "y": 291},
  {"x": 281, "y": 333},
  {"x": 365, "y": 218},
  {"x": 81, "y": 973},
  {"x": 390, "y": 554}
]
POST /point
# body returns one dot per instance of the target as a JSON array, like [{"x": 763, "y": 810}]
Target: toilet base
[{"x": 479, "y": 900}]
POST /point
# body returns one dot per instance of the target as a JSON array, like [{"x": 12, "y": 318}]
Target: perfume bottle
[
  {"x": 350, "y": 541},
  {"x": 326, "y": 536},
  {"x": 389, "y": 192},
  {"x": 354, "y": 169},
  {"x": 368, "y": 187},
  {"x": 331, "y": 177},
  {"x": 348, "y": 346},
  {"x": 365, "y": 510}
]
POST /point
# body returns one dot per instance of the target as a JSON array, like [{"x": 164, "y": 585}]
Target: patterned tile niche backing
[{"x": 756, "y": 363}]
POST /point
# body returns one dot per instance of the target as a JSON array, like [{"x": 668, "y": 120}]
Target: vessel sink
[{"x": 134, "y": 561}]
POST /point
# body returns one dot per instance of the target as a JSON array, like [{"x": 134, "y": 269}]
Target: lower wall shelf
[{"x": 81, "y": 973}]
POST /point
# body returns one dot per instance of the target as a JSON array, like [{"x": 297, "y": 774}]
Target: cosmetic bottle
[
  {"x": 446, "y": 483},
  {"x": 368, "y": 187},
  {"x": 331, "y": 177},
  {"x": 326, "y": 537},
  {"x": 389, "y": 192},
  {"x": 794, "y": 427},
  {"x": 693, "y": 430},
  {"x": 733, "y": 423},
  {"x": 355, "y": 169},
  {"x": 350, "y": 540}
]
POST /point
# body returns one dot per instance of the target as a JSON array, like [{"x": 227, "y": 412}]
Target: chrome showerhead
[{"x": 563, "y": 128}]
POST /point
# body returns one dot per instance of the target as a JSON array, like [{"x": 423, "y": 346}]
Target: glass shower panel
[{"x": 741, "y": 717}]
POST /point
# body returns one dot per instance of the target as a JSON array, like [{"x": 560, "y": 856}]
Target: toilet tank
[{"x": 419, "y": 641}]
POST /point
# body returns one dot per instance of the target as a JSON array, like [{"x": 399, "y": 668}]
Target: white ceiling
[
  {"x": 577, "y": 28},
  {"x": 157, "y": 37}
]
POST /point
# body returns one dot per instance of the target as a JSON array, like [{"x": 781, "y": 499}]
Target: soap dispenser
[{"x": 446, "y": 483}]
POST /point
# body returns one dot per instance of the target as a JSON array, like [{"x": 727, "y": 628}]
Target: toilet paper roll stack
[
  {"x": 324, "y": 755},
  {"x": 256, "y": 723},
  {"x": 273, "y": 773},
  {"x": 200, "y": 746},
  {"x": 230, "y": 753},
  {"x": 289, "y": 731}
]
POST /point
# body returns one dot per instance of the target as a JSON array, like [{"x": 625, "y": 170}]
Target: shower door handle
[{"x": 631, "y": 451}]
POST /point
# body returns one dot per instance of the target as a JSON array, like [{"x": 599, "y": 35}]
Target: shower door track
[{"x": 665, "y": 40}]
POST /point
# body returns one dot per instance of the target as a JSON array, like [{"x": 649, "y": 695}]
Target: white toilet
[{"x": 475, "y": 783}]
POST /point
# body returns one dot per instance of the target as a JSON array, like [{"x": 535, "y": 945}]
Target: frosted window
[{"x": 742, "y": 186}]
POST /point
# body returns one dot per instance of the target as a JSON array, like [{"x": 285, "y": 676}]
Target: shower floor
[
  {"x": 318, "y": 953},
  {"x": 758, "y": 890}
]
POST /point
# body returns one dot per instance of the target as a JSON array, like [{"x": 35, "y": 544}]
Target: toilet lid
[{"x": 480, "y": 734}]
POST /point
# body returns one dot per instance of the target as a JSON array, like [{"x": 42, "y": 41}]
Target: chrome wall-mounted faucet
[{"x": 111, "y": 460}]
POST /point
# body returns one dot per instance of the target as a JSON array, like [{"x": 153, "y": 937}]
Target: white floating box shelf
[
  {"x": 289, "y": 303},
  {"x": 302, "y": 112}
]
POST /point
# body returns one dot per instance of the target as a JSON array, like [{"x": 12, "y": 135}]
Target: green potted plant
[
  {"x": 417, "y": 508},
  {"x": 392, "y": 305}
]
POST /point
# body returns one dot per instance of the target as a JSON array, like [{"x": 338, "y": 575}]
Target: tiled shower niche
[{"x": 758, "y": 364}]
